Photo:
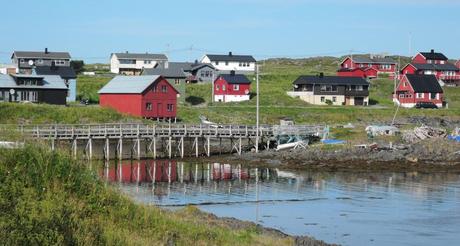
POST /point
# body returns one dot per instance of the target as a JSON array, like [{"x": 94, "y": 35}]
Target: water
[{"x": 345, "y": 208}]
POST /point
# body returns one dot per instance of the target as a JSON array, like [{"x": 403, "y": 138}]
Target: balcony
[{"x": 449, "y": 77}]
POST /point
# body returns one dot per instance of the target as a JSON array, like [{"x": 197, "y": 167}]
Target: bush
[{"x": 329, "y": 102}]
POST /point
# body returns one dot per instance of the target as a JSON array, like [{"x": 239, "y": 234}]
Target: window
[
  {"x": 170, "y": 107},
  {"x": 217, "y": 87},
  {"x": 147, "y": 62},
  {"x": 346, "y": 65},
  {"x": 31, "y": 96},
  {"x": 359, "y": 88},
  {"x": 2, "y": 97},
  {"x": 164, "y": 88},
  {"x": 240, "y": 64},
  {"x": 223, "y": 87},
  {"x": 59, "y": 62},
  {"x": 176, "y": 81},
  {"x": 226, "y": 63},
  {"x": 202, "y": 73},
  {"x": 419, "y": 95},
  {"x": 401, "y": 95},
  {"x": 124, "y": 61},
  {"x": 217, "y": 63},
  {"x": 329, "y": 88},
  {"x": 442, "y": 62},
  {"x": 361, "y": 65},
  {"x": 334, "y": 99},
  {"x": 433, "y": 96},
  {"x": 22, "y": 60},
  {"x": 207, "y": 73},
  {"x": 40, "y": 61},
  {"x": 236, "y": 87},
  {"x": 369, "y": 65},
  {"x": 154, "y": 89},
  {"x": 323, "y": 99},
  {"x": 148, "y": 106}
]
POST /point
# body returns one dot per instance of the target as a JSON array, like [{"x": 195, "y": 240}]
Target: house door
[
  {"x": 159, "y": 110},
  {"x": 359, "y": 101},
  {"x": 347, "y": 100}
]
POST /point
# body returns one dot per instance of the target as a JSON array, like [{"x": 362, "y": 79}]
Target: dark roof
[
  {"x": 141, "y": 56},
  {"x": 424, "y": 83},
  {"x": 335, "y": 80},
  {"x": 41, "y": 54},
  {"x": 377, "y": 60},
  {"x": 434, "y": 55},
  {"x": 63, "y": 71},
  {"x": 438, "y": 67},
  {"x": 235, "y": 78},
  {"x": 174, "y": 70},
  {"x": 231, "y": 58}
]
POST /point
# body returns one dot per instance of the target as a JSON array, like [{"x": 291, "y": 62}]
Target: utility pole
[
  {"x": 212, "y": 83},
  {"x": 257, "y": 108}
]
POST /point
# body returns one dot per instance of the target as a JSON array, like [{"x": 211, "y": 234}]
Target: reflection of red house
[
  {"x": 382, "y": 65},
  {"x": 146, "y": 171},
  {"x": 434, "y": 63},
  {"x": 144, "y": 96},
  {"x": 414, "y": 88},
  {"x": 368, "y": 72}
]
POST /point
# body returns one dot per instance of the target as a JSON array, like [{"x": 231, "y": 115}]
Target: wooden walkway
[{"x": 153, "y": 133}]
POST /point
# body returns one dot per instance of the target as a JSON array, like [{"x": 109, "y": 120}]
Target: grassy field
[
  {"x": 47, "y": 198},
  {"x": 276, "y": 79},
  {"x": 13, "y": 113},
  {"x": 88, "y": 86}
]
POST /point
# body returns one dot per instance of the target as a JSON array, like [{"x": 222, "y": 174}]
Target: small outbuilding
[{"x": 151, "y": 97}]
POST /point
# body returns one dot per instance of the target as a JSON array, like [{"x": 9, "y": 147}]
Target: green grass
[
  {"x": 13, "y": 113},
  {"x": 47, "y": 198},
  {"x": 88, "y": 86}
]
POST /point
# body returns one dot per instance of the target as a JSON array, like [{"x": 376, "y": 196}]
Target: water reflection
[{"x": 346, "y": 208}]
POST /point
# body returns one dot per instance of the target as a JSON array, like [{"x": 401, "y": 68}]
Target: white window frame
[{"x": 236, "y": 87}]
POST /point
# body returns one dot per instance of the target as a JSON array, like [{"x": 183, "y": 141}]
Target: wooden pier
[{"x": 171, "y": 138}]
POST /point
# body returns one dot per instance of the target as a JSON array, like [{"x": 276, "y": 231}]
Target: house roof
[
  {"x": 378, "y": 60},
  {"x": 235, "y": 78},
  {"x": 41, "y": 54},
  {"x": 63, "y": 71},
  {"x": 49, "y": 82},
  {"x": 141, "y": 56},
  {"x": 335, "y": 80},
  {"x": 231, "y": 58},
  {"x": 424, "y": 83},
  {"x": 129, "y": 84},
  {"x": 434, "y": 55},
  {"x": 437, "y": 67},
  {"x": 174, "y": 70}
]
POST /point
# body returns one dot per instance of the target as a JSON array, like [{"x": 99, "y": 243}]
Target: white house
[
  {"x": 231, "y": 62},
  {"x": 132, "y": 63}
]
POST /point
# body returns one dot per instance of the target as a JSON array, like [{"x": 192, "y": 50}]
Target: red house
[
  {"x": 415, "y": 88},
  {"x": 365, "y": 73},
  {"x": 150, "y": 97},
  {"x": 433, "y": 63},
  {"x": 232, "y": 88},
  {"x": 383, "y": 65}
]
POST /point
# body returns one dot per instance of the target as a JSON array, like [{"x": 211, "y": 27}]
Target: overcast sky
[{"x": 185, "y": 30}]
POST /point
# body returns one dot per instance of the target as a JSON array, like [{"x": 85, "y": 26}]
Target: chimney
[
  {"x": 230, "y": 53},
  {"x": 46, "y": 51},
  {"x": 196, "y": 61},
  {"x": 321, "y": 75},
  {"x": 432, "y": 51},
  {"x": 126, "y": 52},
  {"x": 232, "y": 72}
]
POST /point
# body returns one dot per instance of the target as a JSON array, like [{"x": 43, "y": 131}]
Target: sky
[{"x": 186, "y": 30}]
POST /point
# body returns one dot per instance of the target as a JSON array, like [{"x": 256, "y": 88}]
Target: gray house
[
  {"x": 25, "y": 60},
  {"x": 66, "y": 73}
]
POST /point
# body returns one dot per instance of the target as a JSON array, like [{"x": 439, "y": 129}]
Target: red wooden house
[
  {"x": 365, "y": 73},
  {"x": 415, "y": 88},
  {"x": 150, "y": 97},
  {"x": 383, "y": 65},
  {"x": 232, "y": 88},
  {"x": 433, "y": 63}
]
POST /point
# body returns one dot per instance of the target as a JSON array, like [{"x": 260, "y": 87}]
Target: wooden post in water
[
  {"x": 138, "y": 141},
  {"x": 107, "y": 148},
  {"x": 154, "y": 147},
  {"x": 209, "y": 146},
  {"x": 120, "y": 148},
  {"x": 170, "y": 147}
]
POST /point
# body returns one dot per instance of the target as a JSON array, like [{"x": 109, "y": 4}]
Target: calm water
[{"x": 345, "y": 208}]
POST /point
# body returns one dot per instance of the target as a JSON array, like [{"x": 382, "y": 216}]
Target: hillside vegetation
[{"x": 47, "y": 198}]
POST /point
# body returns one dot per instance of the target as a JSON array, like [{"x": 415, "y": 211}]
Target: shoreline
[{"x": 433, "y": 155}]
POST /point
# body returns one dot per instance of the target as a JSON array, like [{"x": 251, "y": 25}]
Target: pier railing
[{"x": 112, "y": 131}]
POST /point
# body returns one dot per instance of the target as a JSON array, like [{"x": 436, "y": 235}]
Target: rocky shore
[{"x": 429, "y": 155}]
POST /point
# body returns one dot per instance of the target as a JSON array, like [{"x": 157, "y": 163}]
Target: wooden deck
[{"x": 170, "y": 133}]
